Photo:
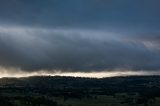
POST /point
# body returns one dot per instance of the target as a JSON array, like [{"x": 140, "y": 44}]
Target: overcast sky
[{"x": 80, "y": 35}]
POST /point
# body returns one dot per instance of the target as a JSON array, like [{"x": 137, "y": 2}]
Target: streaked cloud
[
  {"x": 83, "y": 50},
  {"x": 80, "y": 36}
]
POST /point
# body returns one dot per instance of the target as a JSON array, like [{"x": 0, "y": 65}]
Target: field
[{"x": 70, "y": 91}]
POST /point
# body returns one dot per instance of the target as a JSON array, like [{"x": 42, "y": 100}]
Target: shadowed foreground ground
[{"x": 70, "y": 91}]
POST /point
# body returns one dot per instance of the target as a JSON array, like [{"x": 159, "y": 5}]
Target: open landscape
[
  {"x": 79, "y": 52},
  {"x": 71, "y": 91}
]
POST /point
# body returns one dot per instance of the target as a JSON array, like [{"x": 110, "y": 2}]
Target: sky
[{"x": 80, "y": 36}]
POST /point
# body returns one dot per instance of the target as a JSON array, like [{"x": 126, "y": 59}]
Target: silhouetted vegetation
[{"x": 70, "y": 91}]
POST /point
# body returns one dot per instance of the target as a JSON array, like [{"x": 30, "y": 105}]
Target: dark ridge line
[{"x": 114, "y": 77}]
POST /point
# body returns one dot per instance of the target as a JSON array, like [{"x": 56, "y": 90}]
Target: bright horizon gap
[{"x": 19, "y": 74}]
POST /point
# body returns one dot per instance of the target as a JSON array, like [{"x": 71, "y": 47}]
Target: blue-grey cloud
[
  {"x": 49, "y": 13},
  {"x": 80, "y": 35},
  {"x": 75, "y": 50}
]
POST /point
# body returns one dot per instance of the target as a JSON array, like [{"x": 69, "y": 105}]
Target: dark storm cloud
[
  {"x": 80, "y": 35},
  {"x": 73, "y": 50},
  {"x": 81, "y": 12}
]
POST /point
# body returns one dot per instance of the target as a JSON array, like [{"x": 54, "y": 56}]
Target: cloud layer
[
  {"x": 76, "y": 50},
  {"x": 80, "y": 35}
]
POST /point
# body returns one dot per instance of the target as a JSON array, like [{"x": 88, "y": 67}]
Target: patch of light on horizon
[{"x": 11, "y": 72}]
